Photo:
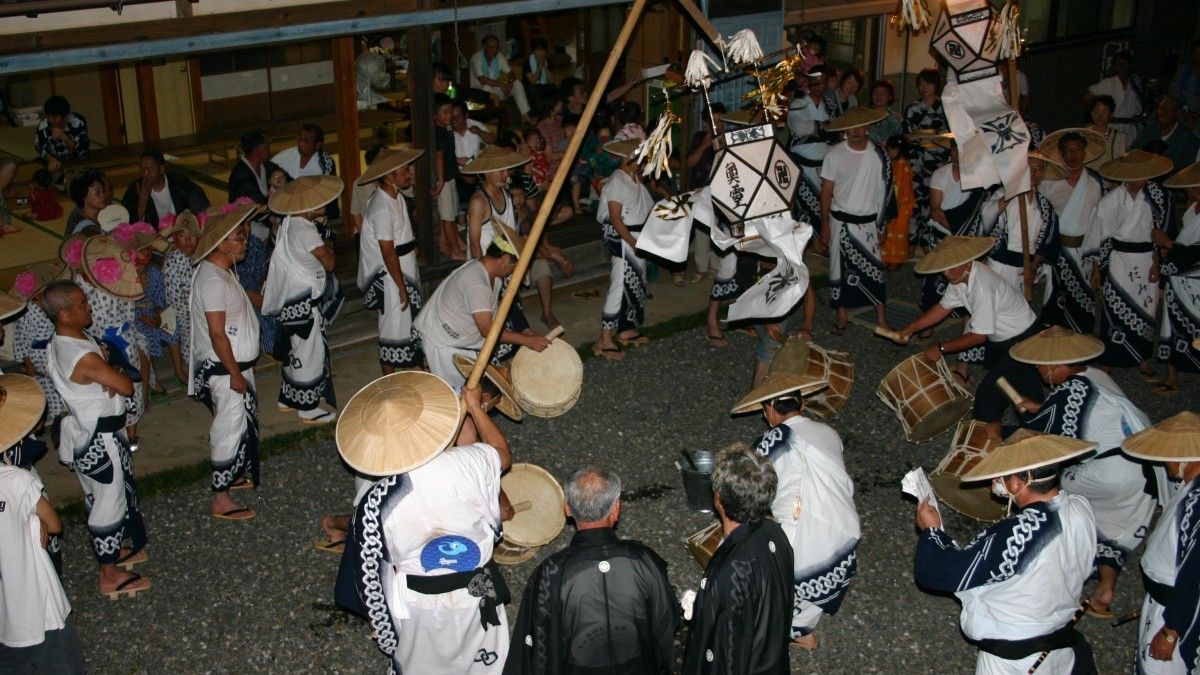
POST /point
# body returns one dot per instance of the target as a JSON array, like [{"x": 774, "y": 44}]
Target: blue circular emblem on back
[{"x": 450, "y": 552}]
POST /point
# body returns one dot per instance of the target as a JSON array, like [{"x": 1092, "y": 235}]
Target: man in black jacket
[
  {"x": 159, "y": 192},
  {"x": 249, "y": 175}
]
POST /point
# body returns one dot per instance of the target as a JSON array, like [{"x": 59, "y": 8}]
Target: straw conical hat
[
  {"x": 952, "y": 252},
  {"x": 1057, "y": 345},
  {"x": 858, "y": 116},
  {"x": 72, "y": 242},
  {"x": 1095, "y": 143},
  {"x": 1175, "y": 439},
  {"x": 1026, "y": 450},
  {"x": 185, "y": 221},
  {"x": 138, "y": 236},
  {"x": 1055, "y": 170},
  {"x": 37, "y": 276},
  {"x": 10, "y": 305},
  {"x": 387, "y": 162},
  {"x": 306, "y": 193},
  {"x": 622, "y": 148},
  {"x": 220, "y": 226},
  {"x": 776, "y": 385},
  {"x": 111, "y": 216},
  {"x": 538, "y": 500},
  {"x": 21, "y": 404},
  {"x": 511, "y": 236},
  {"x": 110, "y": 265},
  {"x": 499, "y": 379},
  {"x": 1188, "y": 176},
  {"x": 494, "y": 158},
  {"x": 397, "y": 423},
  {"x": 1136, "y": 165},
  {"x": 746, "y": 117}
]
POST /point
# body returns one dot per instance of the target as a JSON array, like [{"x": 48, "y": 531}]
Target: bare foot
[
  {"x": 808, "y": 642},
  {"x": 330, "y": 528},
  {"x": 551, "y": 321},
  {"x": 223, "y": 504},
  {"x": 112, "y": 577}
]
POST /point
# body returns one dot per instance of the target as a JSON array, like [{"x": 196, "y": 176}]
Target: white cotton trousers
[
  {"x": 1151, "y": 623},
  {"x": 444, "y": 636},
  {"x": 229, "y": 422},
  {"x": 1058, "y": 662}
]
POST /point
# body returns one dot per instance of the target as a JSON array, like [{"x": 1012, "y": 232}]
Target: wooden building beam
[
  {"x": 425, "y": 221},
  {"x": 346, "y": 109},
  {"x": 147, "y": 101}
]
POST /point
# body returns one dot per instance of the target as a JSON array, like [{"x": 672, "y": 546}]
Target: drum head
[
  {"x": 511, "y": 554},
  {"x": 940, "y": 419},
  {"x": 539, "y": 502},
  {"x": 973, "y": 500},
  {"x": 547, "y": 383}
]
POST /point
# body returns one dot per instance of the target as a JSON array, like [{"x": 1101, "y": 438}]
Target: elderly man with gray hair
[{"x": 601, "y": 605}]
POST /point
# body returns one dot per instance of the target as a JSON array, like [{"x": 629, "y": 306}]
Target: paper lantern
[
  {"x": 753, "y": 176},
  {"x": 961, "y": 37}
]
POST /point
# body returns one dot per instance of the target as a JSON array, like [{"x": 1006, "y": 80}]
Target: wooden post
[
  {"x": 114, "y": 126},
  {"x": 420, "y": 74},
  {"x": 346, "y": 109},
  {"x": 147, "y": 101},
  {"x": 548, "y": 201},
  {"x": 1014, "y": 94}
]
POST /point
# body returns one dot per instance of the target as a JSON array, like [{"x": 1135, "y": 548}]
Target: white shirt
[
  {"x": 1128, "y": 103},
  {"x": 218, "y": 290},
  {"x": 288, "y": 159},
  {"x": 997, "y": 309},
  {"x": 952, "y": 192},
  {"x": 162, "y": 199},
  {"x": 482, "y": 67},
  {"x": 467, "y": 143},
  {"x": 1123, "y": 217},
  {"x": 447, "y": 317},
  {"x": 32, "y": 600},
  {"x": 87, "y": 402},
  {"x": 385, "y": 219},
  {"x": 634, "y": 198},
  {"x": 857, "y": 177},
  {"x": 805, "y": 117},
  {"x": 1010, "y": 220}
]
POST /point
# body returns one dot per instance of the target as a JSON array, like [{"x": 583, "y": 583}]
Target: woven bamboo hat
[
  {"x": 306, "y": 193},
  {"x": 388, "y": 161},
  {"x": 622, "y": 148},
  {"x": 138, "y": 236},
  {"x": 858, "y": 116},
  {"x": 746, "y": 117},
  {"x": 1026, "y": 450},
  {"x": 1175, "y": 439},
  {"x": 220, "y": 226},
  {"x": 10, "y": 305},
  {"x": 397, "y": 423},
  {"x": 507, "y": 238},
  {"x": 21, "y": 404},
  {"x": 1094, "y": 149},
  {"x": 111, "y": 216},
  {"x": 507, "y": 403},
  {"x": 70, "y": 251},
  {"x": 776, "y": 385},
  {"x": 538, "y": 501},
  {"x": 37, "y": 276},
  {"x": 1136, "y": 165},
  {"x": 1055, "y": 170},
  {"x": 186, "y": 221},
  {"x": 1057, "y": 345},
  {"x": 111, "y": 265},
  {"x": 952, "y": 252},
  {"x": 1187, "y": 177},
  {"x": 494, "y": 158}
]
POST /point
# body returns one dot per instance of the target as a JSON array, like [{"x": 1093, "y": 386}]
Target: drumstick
[
  {"x": 1043, "y": 655},
  {"x": 1135, "y": 614},
  {"x": 522, "y": 506},
  {"x": 893, "y": 335},
  {"x": 1008, "y": 390},
  {"x": 555, "y": 332}
]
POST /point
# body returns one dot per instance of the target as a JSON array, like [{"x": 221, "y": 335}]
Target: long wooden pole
[
  {"x": 548, "y": 202},
  {"x": 1014, "y": 95}
]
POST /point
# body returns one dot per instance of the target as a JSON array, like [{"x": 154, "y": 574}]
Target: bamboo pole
[
  {"x": 1014, "y": 95},
  {"x": 548, "y": 202}
]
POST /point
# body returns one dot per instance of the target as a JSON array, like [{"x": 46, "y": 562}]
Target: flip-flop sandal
[
  {"x": 134, "y": 558},
  {"x": 123, "y": 588},
  {"x": 609, "y": 353},
  {"x": 838, "y": 330},
  {"x": 1166, "y": 389},
  {"x": 330, "y": 546},
  {"x": 324, "y": 418},
  {"x": 241, "y": 513},
  {"x": 1148, "y": 376},
  {"x": 283, "y": 408},
  {"x": 635, "y": 341},
  {"x": 1103, "y": 614},
  {"x": 717, "y": 341},
  {"x": 242, "y": 484}
]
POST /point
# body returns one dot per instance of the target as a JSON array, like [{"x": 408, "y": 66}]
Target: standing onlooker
[
  {"x": 1168, "y": 127},
  {"x": 1114, "y": 140},
  {"x": 445, "y": 190},
  {"x": 61, "y": 136},
  {"x": 925, "y": 115},
  {"x": 883, "y": 95},
  {"x": 491, "y": 73},
  {"x": 845, "y": 96},
  {"x": 184, "y": 234},
  {"x": 1129, "y": 92},
  {"x": 562, "y": 624},
  {"x": 308, "y": 158},
  {"x": 1185, "y": 84},
  {"x": 741, "y": 616},
  {"x": 537, "y": 73},
  {"x": 158, "y": 192},
  {"x": 894, "y": 249}
]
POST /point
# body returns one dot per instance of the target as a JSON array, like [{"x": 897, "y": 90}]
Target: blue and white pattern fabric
[
  {"x": 1172, "y": 562},
  {"x": 32, "y": 332},
  {"x": 1072, "y": 303},
  {"x": 1180, "y": 326}
]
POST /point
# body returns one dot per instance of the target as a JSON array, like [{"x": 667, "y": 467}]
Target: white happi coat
[{"x": 1172, "y": 558}]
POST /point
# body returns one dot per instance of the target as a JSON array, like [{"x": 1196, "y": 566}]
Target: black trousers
[{"x": 990, "y": 402}]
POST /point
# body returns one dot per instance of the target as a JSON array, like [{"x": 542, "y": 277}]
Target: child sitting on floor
[{"x": 43, "y": 198}]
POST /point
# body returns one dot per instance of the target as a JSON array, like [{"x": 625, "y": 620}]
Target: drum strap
[{"x": 485, "y": 583}]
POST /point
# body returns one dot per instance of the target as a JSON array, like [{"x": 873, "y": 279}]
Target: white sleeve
[
  {"x": 829, "y": 167},
  {"x": 503, "y": 64},
  {"x": 954, "y": 297},
  {"x": 307, "y": 237},
  {"x": 212, "y": 295},
  {"x": 983, "y": 312},
  {"x": 380, "y": 217}
]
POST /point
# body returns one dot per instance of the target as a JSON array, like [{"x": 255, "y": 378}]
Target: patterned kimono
[
  {"x": 625, "y": 304},
  {"x": 1125, "y": 254},
  {"x": 1181, "y": 296},
  {"x": 177, "y": 275},
  {"x": 1006, "y": 258},
  {"x": 151, "y": 304},
  {"x": 1090, "y": 406},
  {"x": 1072, "y": 303},
  {"x": 814, "y": 503},
  {"x": 1171, "y": 568},
  {"x": 808, "y": 147},
  {"x": 32, "y": 333},
  {"x": 1019, "y": 583},
  {"x": 113, "y": 321},
  {"x": 855, "y": 261},
  {"x": 925, "y": 160},
  {"x": 252, "y": 273}
]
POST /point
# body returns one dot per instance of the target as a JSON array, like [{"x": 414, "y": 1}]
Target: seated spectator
[
  {"x": 539, "y": 163},
  {"x": 249, "y": 178},
  {"x": 1181, "y": 143},
  {"x": 550, "y": 126},
  {"x": 537, "y": 72},
  {"x": 43, "y": 198},
  {"x": 61, "y": 136},
  {"x": 469, "y": 138},
  {"x": 443, "y": 82},
  {"x": 491, "y": 73},
  {"x": 576, "y": 96},
  {"x": 89, "y": 191},
  {"x": 8, "y": 171},
  {"x": 308, "y": 158},
  {"x": 160, "y": 192}
]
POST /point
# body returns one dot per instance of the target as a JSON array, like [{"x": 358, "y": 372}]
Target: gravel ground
[{"x": 256, "y": 596}]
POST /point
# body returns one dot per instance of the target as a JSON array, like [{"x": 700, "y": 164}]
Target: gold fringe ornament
[
  {"x": 654, "y": 152},
  {"x": 913, "y": 14},
  {"x": 1007, "y": 30}
]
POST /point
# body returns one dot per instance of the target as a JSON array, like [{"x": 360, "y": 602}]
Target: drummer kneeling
[{"x": 1000, "y": 318}]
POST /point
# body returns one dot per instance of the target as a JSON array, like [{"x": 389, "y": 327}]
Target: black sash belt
[
  {"x": 485, "y": 583},
  {"x": 110, "y": 425},
  {"x": 1161, "y": 593},
  {"x": 1010, "y": 258},
  {"x": 853, "y": 219},
  {"x": 635, "y": 228},
  {"x": 804, "y": 161},
  {"x": 1070, "y": 240},
  {"x": 1132, "y": 246},
  {"x": 1063, "y": 638},
  {"x": 218, "y": 368},
  {"x": 405, "y": 249}
]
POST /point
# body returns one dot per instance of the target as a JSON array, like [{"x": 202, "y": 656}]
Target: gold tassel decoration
[
  {"x": 913, "y": 14},
  {"x": 771, "y": 84},
  {"x": 654, "y": 152},
  {"x": 1007, "y": 30}
]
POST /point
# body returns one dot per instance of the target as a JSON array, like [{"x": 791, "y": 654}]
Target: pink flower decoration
[
  {"x": 25, "y": 283},
  {"x": 227, "y": 209},
  {"x": 243, "y": 201},
  {"x": 124, "y": 233},
  {"x": 107, "y": 270},
  {"x": 166, "y": 221},
  {"x": 202, "y": 219},
  {"x": 74, "y": 253},
  {"x": 142, "y": 227}
]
